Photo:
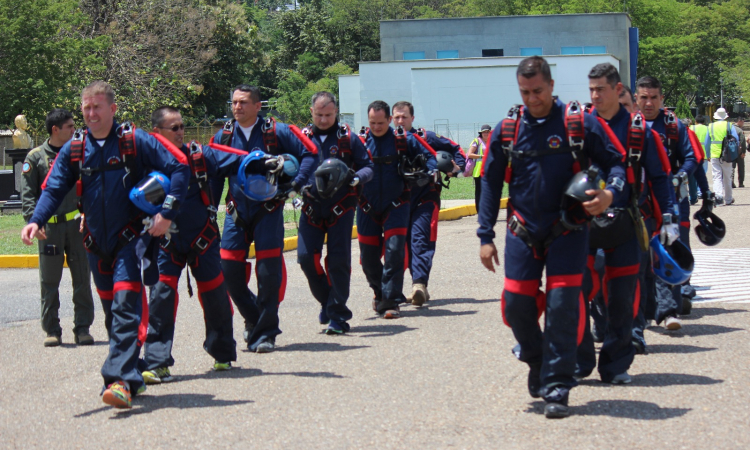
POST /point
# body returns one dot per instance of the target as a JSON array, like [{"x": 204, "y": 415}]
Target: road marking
[{"x": 721, "y": 275}]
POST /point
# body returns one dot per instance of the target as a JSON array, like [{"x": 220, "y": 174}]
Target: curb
[{"x": 290, "y": 243}]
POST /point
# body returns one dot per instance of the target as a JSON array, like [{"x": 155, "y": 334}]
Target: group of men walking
[{"x": 388, "y": 175}]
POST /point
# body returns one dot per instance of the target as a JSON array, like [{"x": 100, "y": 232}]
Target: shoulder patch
[{"x": 26, "y": 167}]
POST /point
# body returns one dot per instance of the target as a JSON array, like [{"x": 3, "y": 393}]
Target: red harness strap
[
  {"x": 344, "y": 136},
  {"x": 576, "y": 133},
  {"x": 269, "y": 136},
  {"x": 226, "y": 133},
  {"x": 77, "y": 146}
]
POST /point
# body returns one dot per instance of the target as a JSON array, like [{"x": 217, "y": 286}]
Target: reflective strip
[{"x": 67, "y": 217}]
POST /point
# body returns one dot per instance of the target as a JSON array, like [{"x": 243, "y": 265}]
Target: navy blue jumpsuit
[
  {"x": 195, "y": 244},
  {"x": 265, "y": 227},
  {"x": 383, "y": 218},
  {"x": 108, "y": 212},
  {"x": 535, "y": 189},
  {"x": 334, "y": 217},
  {"x": 620, "y": 287},
  {"x": 425, "y": 206}
]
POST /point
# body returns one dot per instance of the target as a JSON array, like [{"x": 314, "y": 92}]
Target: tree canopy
[{"x": 190, "y": 53}]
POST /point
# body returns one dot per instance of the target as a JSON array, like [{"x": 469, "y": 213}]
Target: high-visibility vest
[
  {"x": 701, "y": 131},
  {"x": 717, "y": 131},
  {"x": 480, "y": 151}
]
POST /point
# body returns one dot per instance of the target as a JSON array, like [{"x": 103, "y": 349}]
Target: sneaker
[
  {"x": 622, "y": 378},
  {"x": 157, "y": 376},
  {"x": 117, "y": 394},
  {"x": 334, "y": 328},
  {"x": 394, "y": 313},
  {"x": 141, "y": 390},
  {"x": 672, "y": 323},
  {"x": 719, "y": 201},
  {"x": 730, "y": 202},
  {"x": 534, "y": 380},
  {"x": 557, "y": 402},
  {"x": 222, "y": 366},
  {"x": 323, "y": 317},
  {"x": 52, "y": 340},
  {"x": 84, "y": 338},
  {"x": 418, "y": 294},
  {"x": 248, "y": 331},
  {"x": 265, "y": 347}
]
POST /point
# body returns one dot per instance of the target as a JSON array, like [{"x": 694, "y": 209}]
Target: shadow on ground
[
  {"x": 431, "y": 312},
  {"x": 678, "y": 348},
  {"x": 694, "y": 330},
  {"x": 319, "y": 347},
  {"x": 457, "y": 301},
  {"x": 699, "y": 312},
  {"x": 626, "y": 409},
  {"x": 147, "y": 404},
  {"x": 657, "y": 379},
  {"x": 379, "y": 330}
]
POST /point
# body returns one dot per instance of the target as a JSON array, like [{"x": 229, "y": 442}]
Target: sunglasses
[{"x": 174, "y": 128}]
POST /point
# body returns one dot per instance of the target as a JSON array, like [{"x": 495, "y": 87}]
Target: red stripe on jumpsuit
[
  {"x": 171, "y": 281},
  {"x": 136, "y": 286},
  {"x": 563, "y": 281},
  {"x": 529, "y": 288},
  {"x": 273, "y": 253}
]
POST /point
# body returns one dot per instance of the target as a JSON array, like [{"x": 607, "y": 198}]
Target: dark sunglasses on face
[{"x": 174, "y": 128}]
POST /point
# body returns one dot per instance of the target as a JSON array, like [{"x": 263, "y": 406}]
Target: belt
[{"x": 60, "y": 218}]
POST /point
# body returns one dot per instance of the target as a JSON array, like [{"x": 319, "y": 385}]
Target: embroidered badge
[
  {"x": 26, "y": 167},
  {"x": 113, "y": 160},
  {"x": 334, "y": 149},
  {"x": 554, "y": 141}
]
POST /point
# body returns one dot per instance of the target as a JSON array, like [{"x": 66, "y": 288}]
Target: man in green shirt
[{"x": 61, "y": 237}]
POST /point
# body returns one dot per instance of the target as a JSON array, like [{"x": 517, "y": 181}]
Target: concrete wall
[
  {"x": 458, "y": 91},
  {"x": 349, "y": 102},
  {"x": 510, "y": 33}
]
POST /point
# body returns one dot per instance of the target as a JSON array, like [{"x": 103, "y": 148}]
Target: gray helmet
[
  {"x": 582, "y": 182},
  {"x": 444, "y": 161},
  {"x": 330, "y": 176}
]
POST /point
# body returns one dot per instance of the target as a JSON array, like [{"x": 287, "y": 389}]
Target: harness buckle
[
  {"x": 128, "y": 234},
  {"x": 270, "y": 206},
  {"x": 366, "y": 208},
  {"x": 88, "y": 241},
  {"x": 201, "y": 243},
  {"x": 396, "y": 203},
  {"x": 230, "y": 207},
  {"x": 338, "y": 210}
]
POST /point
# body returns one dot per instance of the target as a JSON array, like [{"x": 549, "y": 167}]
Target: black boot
[{"x": 557, "y": 402}]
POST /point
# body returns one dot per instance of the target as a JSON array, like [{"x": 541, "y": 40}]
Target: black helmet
[
  {"x": 415, "y": 171},
  {"x": 330, "y": 176},
  {"x": 444, "y": 161},
  {"x": 582, "y": 182},
  {"x": 710, "y": 229}
]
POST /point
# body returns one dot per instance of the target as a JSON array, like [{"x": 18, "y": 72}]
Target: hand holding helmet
[
  {"x": 709, "y": 201},
  {"x": 670, "y": 229},
  {"x": 680, "y": 183}
]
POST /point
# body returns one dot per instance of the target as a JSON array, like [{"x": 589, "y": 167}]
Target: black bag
[
  {"x": 730, "y": 148},
  {"x": 612, "y": 228}
]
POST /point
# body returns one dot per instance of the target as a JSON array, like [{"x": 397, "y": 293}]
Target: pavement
[{"x": 440, "y": 377}]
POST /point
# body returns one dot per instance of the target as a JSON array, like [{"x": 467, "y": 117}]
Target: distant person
[
  {"x": 63, "y": 237},
  {"x": 627, "y": 99},
  {"x": 701, "y": 130},
  {"x": 740, "y": 163},
  {"x": 476, "y": 151},
  {"x": 722, "y": 170}
]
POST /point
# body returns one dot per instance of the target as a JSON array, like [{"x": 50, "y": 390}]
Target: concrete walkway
[{"x": 440, "y": 377}]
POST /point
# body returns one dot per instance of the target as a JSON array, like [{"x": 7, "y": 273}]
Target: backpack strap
[
  {"x": 227, "y": 132},
  {"x": 344, "y": 135},
  {"x": 508, "y": 136},
  {"x": 77, "y": 146},
  {"x": 673, "y": 137},
  {"x": 270, "y": 140},
  {"x": 126, "y": 143},
  {"x": 635, "y": 142},
  {"x": 574, "y": 128},
  {"x": 198, "y": 167}
]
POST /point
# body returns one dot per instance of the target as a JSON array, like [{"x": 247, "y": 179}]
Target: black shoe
[
  {"x": 687, "y": 306},
  {"x": 640, "y": 347},
  {"x": 557, "y": 402},
  {"x": 742, "y": 185},
  {"x": 534, "y": 381},
  {"x": 247, "y": 332}
]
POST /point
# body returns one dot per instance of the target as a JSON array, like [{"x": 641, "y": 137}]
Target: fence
[{"x": 461, "y": 133}]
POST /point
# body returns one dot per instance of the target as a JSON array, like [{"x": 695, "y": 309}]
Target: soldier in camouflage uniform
[{"x": 63, "y": 237}]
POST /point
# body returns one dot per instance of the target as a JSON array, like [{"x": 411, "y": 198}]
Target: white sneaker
[
  {"x": 419, "y": 294},
  {"x": 673, "y": 323}
]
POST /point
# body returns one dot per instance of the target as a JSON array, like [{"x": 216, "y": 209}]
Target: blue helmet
[
  {"x": 258, "y": 176},
  {"x": 673, "y": 263},
  {"x": 290, "y": 170},
  {"x": 150, "y": 193}
]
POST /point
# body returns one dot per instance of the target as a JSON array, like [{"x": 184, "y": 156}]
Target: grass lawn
[{"x": 10, "y": 236}]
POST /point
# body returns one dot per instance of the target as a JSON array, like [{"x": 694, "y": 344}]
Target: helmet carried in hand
[{"x": 149, "y": 194}]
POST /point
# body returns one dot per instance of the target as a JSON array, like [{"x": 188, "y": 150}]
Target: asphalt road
[{"x": 440, "y": 377}]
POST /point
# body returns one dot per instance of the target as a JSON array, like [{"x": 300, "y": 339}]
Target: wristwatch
[{"x": 170, "y": 203}]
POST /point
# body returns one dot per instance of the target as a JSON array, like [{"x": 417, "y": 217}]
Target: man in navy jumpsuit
[
  {"x": 622, "y": 263},
  {"x": 425, "y": 205},
  {"x": 113, "y": 225},
  {"x": 195, "y": 244},
  {"x": 250, "y": 221},
  {"x": 543, "y": 163},
  {"x": 334, "y": 216},
  {"x": 383, "y": 211},
  {"x": 682, "y": 158}
]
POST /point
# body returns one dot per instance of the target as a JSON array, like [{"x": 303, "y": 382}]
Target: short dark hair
[
  {"x": 606, "y": 70},
  {"x": 404, "y": 104},
  {"x": 253, "y": 90},
  {"x": 326, "y": 95},
  {"x": 626, "y": 91},
  {"x": 533, "y": 65},
  {"x": 157, "y": 117},
  {"x": 57, "y": 118},
  {"x": 379, "y": 105},
  {"x": 741, "y": 118},
  {"x": 701, "y": 118},
  {"x": 648, "y": 82}
]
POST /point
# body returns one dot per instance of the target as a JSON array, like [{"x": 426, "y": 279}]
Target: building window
[
  {"x": 571, "y": 50},
  {"x": 594, "y": 49},
  {"x": 446, "y": 54},
  {"x": 531, "y": 51},
  {"x": 413, "y": 55},
  {"x": 489, "y": 52}
]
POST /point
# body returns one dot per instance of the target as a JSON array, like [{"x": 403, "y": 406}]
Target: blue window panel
[
  {"x": 594, "y": 49},
  {"x": 571, "y": 50},
  {"x": 445, "y": 54},
  {"x": 531, "y": 51},
  {"x": 413, "y": 55}
]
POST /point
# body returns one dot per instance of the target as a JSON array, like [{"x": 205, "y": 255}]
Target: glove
[
  {"x": 669, "y": 231},
  {"x": 354, "y": 181},
  {"x": 286, "y": 190},
  {"x": 680, "y": 183}
]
